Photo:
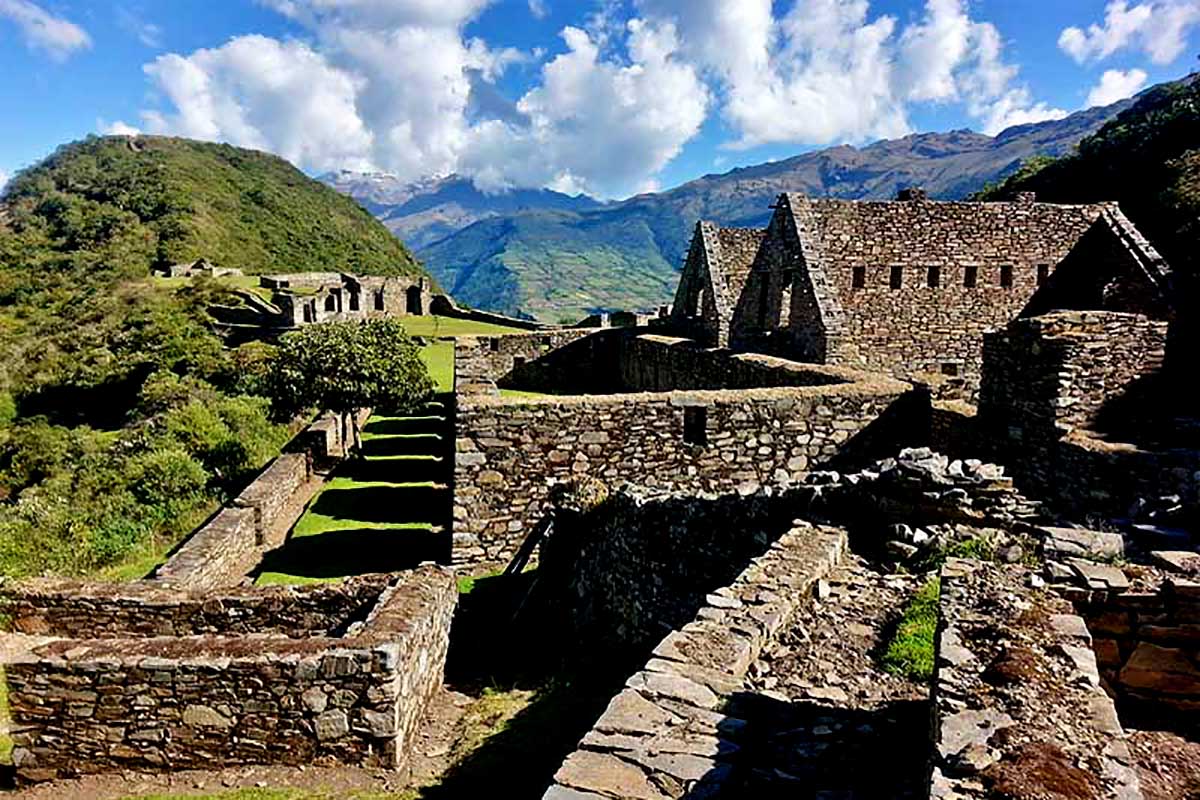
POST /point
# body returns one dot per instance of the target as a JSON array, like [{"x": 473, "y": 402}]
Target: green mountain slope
[
  {"x": 546, "y": 264},
  {"x": 124, "y": 420},
  {"x": 554, "y": 266},
  {"x": 184, "y": 200},
  {"x": 1148, "y": 159}
]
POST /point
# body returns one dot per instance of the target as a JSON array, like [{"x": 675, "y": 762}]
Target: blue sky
[{"x": 605, "y": 96}]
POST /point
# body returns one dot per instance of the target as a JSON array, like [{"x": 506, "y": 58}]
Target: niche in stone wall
[
  {"x": 896, "y": 279},
  {"x": 695, "y": 426},
  {"x": 970, "y": 277},
  {"x": 860, "y": 277},
  {"x": 1006, "y": 276},
  {"x": 933, "y": 278}
]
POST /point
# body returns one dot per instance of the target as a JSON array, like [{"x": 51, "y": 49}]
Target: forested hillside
[{"x": 123, "y": 418}]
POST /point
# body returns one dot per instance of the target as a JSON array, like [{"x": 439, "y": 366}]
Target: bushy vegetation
[
  {"x": 910, "y": 651},
  {"x": 164, "y": 200},
  {"x": 124, "y": 420},
  {"x": 345, "y": 366},
  {"x": 1147, "y": 158}
]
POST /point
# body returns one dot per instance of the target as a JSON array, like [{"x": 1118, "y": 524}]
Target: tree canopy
[{"x": 347, "y": 366}]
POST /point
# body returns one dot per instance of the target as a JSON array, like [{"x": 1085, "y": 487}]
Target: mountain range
[{"x": 556, "y": 258}]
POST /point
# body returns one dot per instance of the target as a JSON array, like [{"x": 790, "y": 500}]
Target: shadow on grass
[
  {"x": 415, "y": 444},
  {"x": 392, "y": 426},
  {"x": 364, "y": 551},
  {"x": 396, "y": 470},
  {"x": 492, "y": 647},
  {"x": 399, "y": 504}
]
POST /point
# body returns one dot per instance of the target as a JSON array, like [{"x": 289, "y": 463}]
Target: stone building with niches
[
  {"x": 310, "y": 297},
  {"x": 908, "y": 286}
]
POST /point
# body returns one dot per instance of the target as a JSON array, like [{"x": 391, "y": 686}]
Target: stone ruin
[{"x": 734, "y": 535}]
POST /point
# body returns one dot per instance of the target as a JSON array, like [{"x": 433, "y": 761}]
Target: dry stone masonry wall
[
  {"x": 667, "y": 734},
  {"x": 1019, "y": 709},
  {"x": 107, "y": 702},
  {"x": 511, "y": 452}
]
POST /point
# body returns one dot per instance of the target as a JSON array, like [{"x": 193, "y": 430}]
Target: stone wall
[
  {"x": 87, "y": 705},
  {"x": 918, "y": 328},
  {"x": 481, "y": 363},
  {"x": 79, "y": 609},
  {"x": 219, "y": 553},
  {"x": 1017, "y": 695},
  {"x": 224, "y": 550},
  {"x": 1147, "y": 640},
  {"x": 511, "y": 451},
  {"x": 1050, "y": 382},
  {"x": 642, "y": 562},
  {"x": 1060, "y": 371},
  {"x": 667, "y": 734}
]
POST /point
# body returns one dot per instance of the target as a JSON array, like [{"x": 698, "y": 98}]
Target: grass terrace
[{"x": 390, "y": 509}]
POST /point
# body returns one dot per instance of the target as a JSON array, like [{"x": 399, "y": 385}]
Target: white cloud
[
  {"x": 148, "y": 33},
  {"x": 539, "y": 8},
  {"x": 595, "y": 125},
  {"x": 261, "y": 93},
  {"x": 4, "y": 178},
  {"x": 1116, "y": 85},
  {"x": 1158, "y": 28},
  {"x": 397, "y": 86},
  {"x": 827, "y": 71},
  {"x": 118, "y": 128},
  {"x": 58, "y": 37}
]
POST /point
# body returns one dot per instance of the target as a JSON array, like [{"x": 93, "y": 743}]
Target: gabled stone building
[{"x": 908, "y": 286}]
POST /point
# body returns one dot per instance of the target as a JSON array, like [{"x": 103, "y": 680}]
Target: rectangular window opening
[
  {"x": 860, "y": 277},
  {"x": 970, "y": 277},
  {"x": 1006, "y": 276},
  {"x": 494, "y": 344},
  {"x": 950, "y": 369},
  {"x": 934, "y": 277},
  {"x": 897, "y": 277},
  {"x": 1043, "y": 272},
  {"x": 695, "y": 426}
]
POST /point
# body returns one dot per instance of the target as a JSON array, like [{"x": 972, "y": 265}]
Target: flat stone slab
[
  {"x": 1083, "y": 543},
  {"x": 1099, "y": 576},
  {"x": 1185, "y": 562}
]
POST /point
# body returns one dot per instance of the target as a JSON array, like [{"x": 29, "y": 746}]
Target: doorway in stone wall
[{"x": 412, "y": 301}]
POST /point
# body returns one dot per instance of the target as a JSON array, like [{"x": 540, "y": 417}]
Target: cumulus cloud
[
  {"x": 56, "y": 36},
  {"x": 398, "y": 86},
  {"x": 1158, "y": 28},
  {"x": 262, "y": 93},
  {"x": 118, "y": 128},
  {"x": 1116, "y": 85},
  {"x": 827, "y": 71},
  {"x": 594, "y": 125}
]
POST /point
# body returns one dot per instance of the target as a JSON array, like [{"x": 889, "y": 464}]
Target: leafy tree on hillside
[{"x": 346, "y": 366}]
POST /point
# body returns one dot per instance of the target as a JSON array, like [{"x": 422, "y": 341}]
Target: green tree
[{"x": 347, "y": 366}]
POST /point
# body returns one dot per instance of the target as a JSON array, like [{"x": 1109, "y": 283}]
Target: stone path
[{"x": 824, "y": 721}]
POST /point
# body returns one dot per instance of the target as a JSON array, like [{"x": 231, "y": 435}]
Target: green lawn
[
  {"x": 384, "y": 512},
  {"x": 435, "y": 326}
]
